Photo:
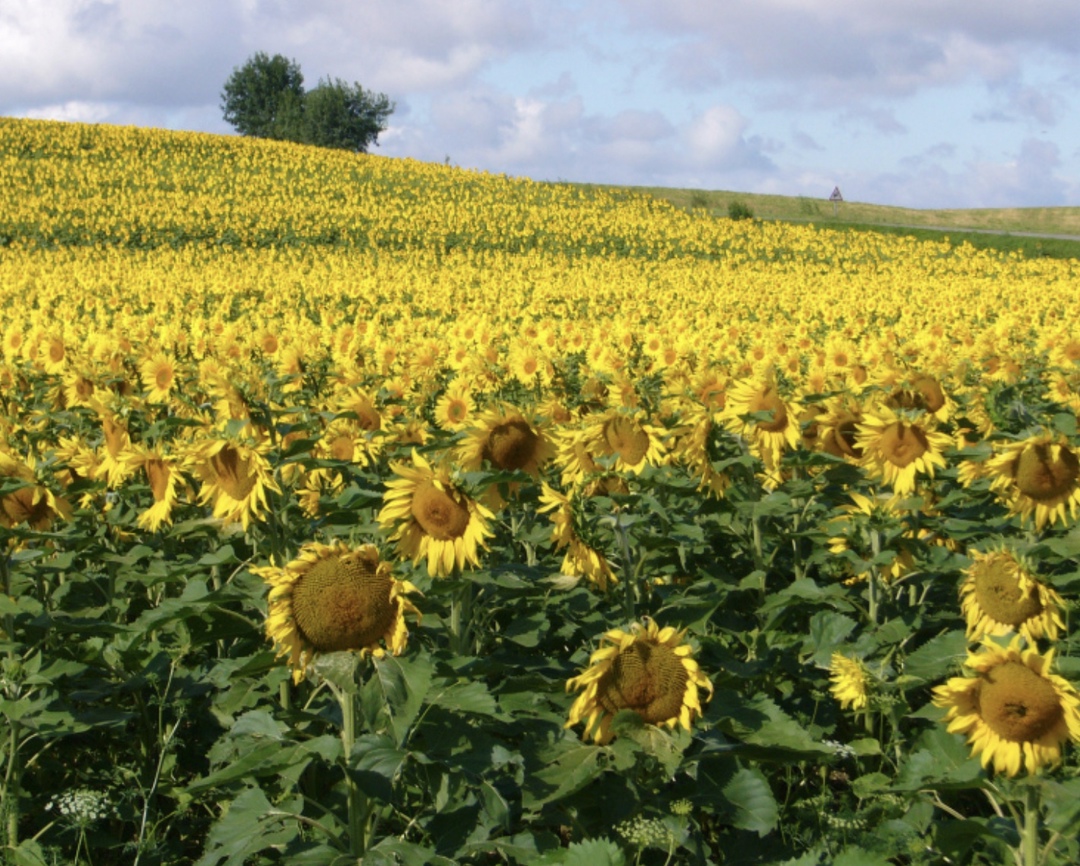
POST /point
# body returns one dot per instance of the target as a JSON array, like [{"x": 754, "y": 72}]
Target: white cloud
[{"x": 833, "y": 49}]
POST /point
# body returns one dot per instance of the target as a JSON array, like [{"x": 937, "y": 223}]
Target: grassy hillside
[{"x": 1041, "y": 220}]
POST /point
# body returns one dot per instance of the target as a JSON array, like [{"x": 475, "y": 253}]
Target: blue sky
[{"x": 920, "y": 103}]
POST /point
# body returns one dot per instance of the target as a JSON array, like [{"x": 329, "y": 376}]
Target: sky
[{"x": 915, "y": 103}]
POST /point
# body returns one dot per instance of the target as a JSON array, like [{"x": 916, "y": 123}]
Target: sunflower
[
  {"x": 158, "y": 377},
  {"x": 773, "y": 427},
  {"x": 691, "y": 449},
  {"x": 430, "y": 517},
  {"x": 896, "y": 448},
  {"x": 838, "y": 426},
  {"x": 333, "y": 598},
  {"x": 505, "y": 439},
  {"x": 850, "y": 682},
  {"x": 235, "y": 478},
  {"x": 626, "y": 437},
  {"x": 1014, "y": 712},
  {"x": 648, "y": 670},
  {"x": 112, "y": 467},
  {"x": 163, "y": 475},
  {"x": 32, "y": 503},
  {"x": 1001, "y": 595},
  {"x": 1038, "y": 476},
  {"x": 580, "y": 559},
  {"x": 454, "y": 408}
]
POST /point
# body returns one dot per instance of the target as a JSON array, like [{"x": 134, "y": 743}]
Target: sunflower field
[{"x": 358, "y": 509}]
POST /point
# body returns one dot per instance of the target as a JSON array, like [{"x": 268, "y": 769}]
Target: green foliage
[
  {"x": 265, "y": 98},
  {"x": 344, "y": 116},
  {"x": 739, "y": 210}
]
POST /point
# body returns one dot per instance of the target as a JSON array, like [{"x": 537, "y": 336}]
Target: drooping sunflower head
[
  {"x": 432, "y": 518},
  {"x": 1015, "y": 713},
  {"x": 333, "y": 598},
  {"x": 580, "y": 559},
  {"x": 648, "y": 670},
  {"x": 1000, "y": 595},
  {"x": 1040, "y": 477}
]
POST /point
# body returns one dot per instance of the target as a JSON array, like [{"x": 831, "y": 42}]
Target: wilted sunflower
[
  {"x": 1038, "y": 476},
  {"x": 333, "y": 598},
  {"x": 850, "y": 682},
  {"x": 1014, "y": 712},
  {"x": 235, "y": 478},
  {"x": 432, "y": 518},
  {"x": 897, "y": 448},
  {"x": 1001, "y": 595},
  {"x": 647, "y": 669}
]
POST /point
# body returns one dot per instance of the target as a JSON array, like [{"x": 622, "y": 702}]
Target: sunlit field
[{"x": 361, "y": 508}]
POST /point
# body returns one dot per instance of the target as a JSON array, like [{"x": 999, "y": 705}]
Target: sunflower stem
[
  {"x": 461, "y": 617},
  {"x": 629, "y": 599},
  {"x": 357, "y": 803},
  {"x": 1029, "y": 839},
  {"x": 875, "y": 546}
]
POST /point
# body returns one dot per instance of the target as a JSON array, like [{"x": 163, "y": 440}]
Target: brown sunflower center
[
  {"x": 647, "y": 678},
  {"x": 1045, "y": 478},
  {"x": 21, "y": 505},
  {"x": 456, "y": 411},
  {"x": 439, "y": 514},
  {"x": 769, "y": 401},
  {"x": 1017, "y": 704},
  {"x": 233, "y": 472},
  {"x": 626, "y": 438},
  {"x": 511, "y": 445},
  {"x": 164, "y": 376},
  {"x": 841, "y": 441},
  {"x": 997, "y": 589},
  {"x": 902, "y": 445},
  {"x": 342, "y": 447},
  {"x": 342, "y": 603},
  {"x": 84, "y": 388}
]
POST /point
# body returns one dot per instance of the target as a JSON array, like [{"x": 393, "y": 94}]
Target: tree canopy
[{"x": 265, "y": 98}]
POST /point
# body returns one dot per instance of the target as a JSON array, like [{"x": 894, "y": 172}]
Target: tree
[
  {"x": 265, "y": 97},
  {"x": 347, "y": 116}
]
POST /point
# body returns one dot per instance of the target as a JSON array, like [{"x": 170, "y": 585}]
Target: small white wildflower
[
  {"x": 82, "y": 806},
  {"x": 840, "y": 749}
]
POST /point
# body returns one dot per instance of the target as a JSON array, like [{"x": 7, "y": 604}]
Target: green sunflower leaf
[{"x": 752, "y": 801}]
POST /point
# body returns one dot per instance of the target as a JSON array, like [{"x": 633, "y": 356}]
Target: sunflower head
[
  {"x": 896, "y": 447},
  {"x": 505, "y": 439},
  {"x": 1000, "y": 595},
  {"x": 1015, "y": 713},
  {"x": 432, "y": 518},
  {"x": 333, "y": 598},
  {"x": 850, "y": 682},
  {"x": 1038, "y": 477},
  {"x": 647, "y": 670}
]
